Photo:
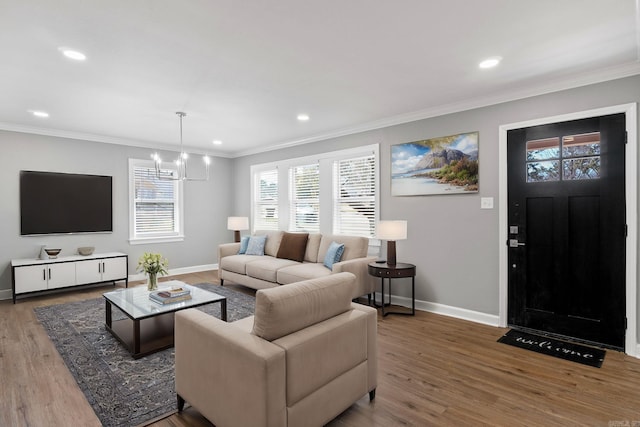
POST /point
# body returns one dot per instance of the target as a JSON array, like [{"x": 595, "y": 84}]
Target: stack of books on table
[{"x": 168, "y": 296}]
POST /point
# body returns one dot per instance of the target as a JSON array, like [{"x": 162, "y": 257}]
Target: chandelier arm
[{"x": 181, "y": 162}]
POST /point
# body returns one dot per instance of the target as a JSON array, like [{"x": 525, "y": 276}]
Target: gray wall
[
  {"x": 451, "y": 240},
  {"x": 453, "y": 243},
  {"x": 207, "y": 204}
]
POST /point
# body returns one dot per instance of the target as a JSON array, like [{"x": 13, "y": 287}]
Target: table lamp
[
  {"x": 391, "y": 231},
  {"x": 237, "y": 223}
]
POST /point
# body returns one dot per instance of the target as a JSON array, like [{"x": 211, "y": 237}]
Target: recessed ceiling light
[
  {"x": 490, "y": 62},
  {"x": 216, "y": 142},
  {"x": 303, "y": 117},
  {"x": 73, "y": 54},
  {"x": 37, "y": 113}
]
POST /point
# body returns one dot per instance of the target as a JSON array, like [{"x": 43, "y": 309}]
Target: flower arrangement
[{"x": 153, "y": 264}]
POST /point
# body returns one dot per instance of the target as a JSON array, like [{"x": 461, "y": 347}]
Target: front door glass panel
[{"x": 578, "y": 154}]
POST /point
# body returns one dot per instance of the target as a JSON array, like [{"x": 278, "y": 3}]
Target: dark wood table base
[{"x": 142, "y": 337}]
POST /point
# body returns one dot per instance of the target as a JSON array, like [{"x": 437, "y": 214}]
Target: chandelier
[{"x": 180, "y": 162}]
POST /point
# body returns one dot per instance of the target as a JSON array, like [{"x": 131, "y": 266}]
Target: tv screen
[{"x": 62, "y": 203}]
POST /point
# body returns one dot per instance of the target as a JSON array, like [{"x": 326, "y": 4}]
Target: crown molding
[
  {"x": 584, "y": 79},
  {"x": 58, "y": 133},
  {"x": 574, "y": 81}
]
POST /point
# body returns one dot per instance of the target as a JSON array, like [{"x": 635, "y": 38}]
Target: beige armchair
[{"x": 307, "y": 355}]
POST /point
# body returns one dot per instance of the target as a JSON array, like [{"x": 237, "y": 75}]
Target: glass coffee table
[{"x": 148, "y": 326}]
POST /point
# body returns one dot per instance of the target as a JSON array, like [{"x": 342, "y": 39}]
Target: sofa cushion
[
  {"x": 237, "y": 263},
  {"x": 287, "y": 309},
  {"x": 293, "y": 246},
  {"x": 256, "y": 245},
  {"x": 273, "y": 241},
  {"x": 334, "y": 253},
  {"x": 244, "y": 242},
  {"x": 354, "y": 247},
  {"x": 267, "y": 267},
  {"x": 300, "y": 272},
  {"x": 313, "y": 244}
]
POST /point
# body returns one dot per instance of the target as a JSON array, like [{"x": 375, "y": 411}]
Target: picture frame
[{"x": 436, "y": 166}]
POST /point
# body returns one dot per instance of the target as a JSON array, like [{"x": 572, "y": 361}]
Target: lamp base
[
  {"x": 391, "y": 252},
  {"x": 236, "y": 236}
]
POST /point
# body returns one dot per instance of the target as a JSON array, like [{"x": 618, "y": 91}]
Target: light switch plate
[{"x": 486, "y": 203}]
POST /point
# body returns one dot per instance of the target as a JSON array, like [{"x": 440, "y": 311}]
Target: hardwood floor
[{"x": 433, "y": 370}]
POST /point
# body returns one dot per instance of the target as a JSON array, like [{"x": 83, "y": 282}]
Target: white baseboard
[
  {"x": 447, "y": 310},
  {"x": 178, "y": 271},
  {"x": 6, "y": 293}
]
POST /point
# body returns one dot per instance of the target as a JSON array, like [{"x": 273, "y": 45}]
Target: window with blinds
[
  {"x": 304, "y": 198},
  {"x": 265, "y": 215},
  {"x": 354, "y": 191},
  {"x": 331, "y": 193},
  {"x": 155, "y": 203}
]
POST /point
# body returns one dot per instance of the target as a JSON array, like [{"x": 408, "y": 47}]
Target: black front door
[{"x": 567, "y": 229}]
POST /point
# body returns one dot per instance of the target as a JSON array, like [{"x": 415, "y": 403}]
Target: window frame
[
  {"x": 338, "y": 199},
  {"x": 177, "y": 235},
  {"x": 325, "y": 161},
  {"x": 296, "y": 199},
  {"x": 257, "y": 203}
]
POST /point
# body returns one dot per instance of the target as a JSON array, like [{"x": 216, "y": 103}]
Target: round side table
[{"x": 399, "y": 270}]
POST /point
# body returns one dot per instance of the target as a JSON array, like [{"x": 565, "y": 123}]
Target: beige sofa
[
  {"x": 307, "y": 355},
  {"x": 260, "y": 272}
]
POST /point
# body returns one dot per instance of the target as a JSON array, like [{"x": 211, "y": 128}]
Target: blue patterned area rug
[{"x": 122, "y": 391}]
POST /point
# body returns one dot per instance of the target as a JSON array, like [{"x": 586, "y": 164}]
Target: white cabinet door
[
  {"x": 30, "y": 278},
  {"x": 61, "y": 275},
  {"x": 114, "y": 268},
  {"x": 45, "y": 276},
  {"x": 89, "y": 271}
]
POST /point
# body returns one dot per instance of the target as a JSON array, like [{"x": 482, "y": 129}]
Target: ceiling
[{"x": 243, "y": 70}]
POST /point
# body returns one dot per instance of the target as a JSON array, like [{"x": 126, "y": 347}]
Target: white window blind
[
  {"x": 304, "y": 198},
  {"x": 354, "y": 188},
  {"x": 334, "y": 192},
  {"x": 155, "y": 203},
  {"x": 266, "y": 203}
]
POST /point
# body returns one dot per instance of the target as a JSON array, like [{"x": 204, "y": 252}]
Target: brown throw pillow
[{"x": 293, "y": 246}]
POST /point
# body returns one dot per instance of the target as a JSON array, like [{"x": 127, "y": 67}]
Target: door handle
[{"x": 513, "y": 243}]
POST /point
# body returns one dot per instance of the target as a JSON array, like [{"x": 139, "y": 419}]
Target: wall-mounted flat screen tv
[{"x": 63, "y": 203}]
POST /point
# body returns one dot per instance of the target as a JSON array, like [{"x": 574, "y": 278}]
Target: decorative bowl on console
[
  {"x": 53, "y": 253},
  {"x": 86, "y": 250}
]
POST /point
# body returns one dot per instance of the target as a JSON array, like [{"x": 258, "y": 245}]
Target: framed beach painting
[{"x": 443, "y": 165}]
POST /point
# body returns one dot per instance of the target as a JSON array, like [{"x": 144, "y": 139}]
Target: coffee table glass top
[{"x": 136, "y": 304}]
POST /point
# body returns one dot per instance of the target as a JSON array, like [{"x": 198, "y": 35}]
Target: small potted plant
[{"x": 153, "y": 264}]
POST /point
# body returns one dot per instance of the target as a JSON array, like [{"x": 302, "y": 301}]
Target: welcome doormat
[{"x": 552, "y": 347}]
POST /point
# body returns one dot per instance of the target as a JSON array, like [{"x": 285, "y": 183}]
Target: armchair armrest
[
  {"x": 232, "y": 377},
  {"x": 365, "y": 283}
]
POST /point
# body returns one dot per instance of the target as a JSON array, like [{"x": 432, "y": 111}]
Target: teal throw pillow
[
  {"x": 244, "y": 242},
  {"x": 256, "y": 245},
  {"x": 334, "y": 253}
]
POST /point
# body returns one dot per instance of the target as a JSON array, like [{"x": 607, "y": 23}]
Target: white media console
[{"x": 37, "y": 275}]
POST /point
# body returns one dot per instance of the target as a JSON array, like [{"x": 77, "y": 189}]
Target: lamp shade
[
  {"x": 237, "y": 223},
  {"x": 391, "y": 230}
]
